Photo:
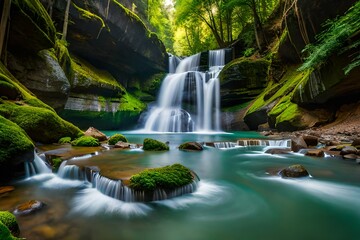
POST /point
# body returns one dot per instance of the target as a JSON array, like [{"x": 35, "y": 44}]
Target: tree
[
  {"x": 3, "y": 25},
  {"x": 66, "y": 20}
]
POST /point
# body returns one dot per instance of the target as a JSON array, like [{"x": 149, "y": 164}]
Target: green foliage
[
  {"x": 129, "y": 103},
  {"x": 13, "y": 141},
  {"x": 85, "y": 141},
  {"x": 168, "y": 177},
  {"x": 9, "y": 220},
  {"x": 117, "y": 138},
  {"x": 154, "y": 145},
  {"x": 42, "y": 125},
  {"x": 248, "y": 52},
  {"x": 334, "y": 40},
  {"x": 64, "y": 140}
]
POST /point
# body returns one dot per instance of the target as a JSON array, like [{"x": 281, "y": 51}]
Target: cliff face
[
  {"x": 297, "y": 99},
  {"x": 109, "y": 50}
]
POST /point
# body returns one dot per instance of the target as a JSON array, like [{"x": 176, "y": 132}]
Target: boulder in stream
[
  {"x": 29, "y": 207},
  {"x": 294, "y": 171},
  {"x": 154, "y": 145},
  {"x": 93, "y": 132},
  {"x": 191, "y": 146}
]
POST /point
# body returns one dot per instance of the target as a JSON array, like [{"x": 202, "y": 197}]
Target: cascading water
[
  {"x": 36, "y": 166},
  {"x": 189, "y": 99}
]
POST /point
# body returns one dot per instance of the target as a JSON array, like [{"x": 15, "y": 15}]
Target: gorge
[{"x": 201, "y": 106}]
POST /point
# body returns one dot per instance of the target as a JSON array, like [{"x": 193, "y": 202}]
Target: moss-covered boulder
[
  {"x": 85, "y": 141},
  {"x": 117, "y": 138},
  {"x": 15, "y": 148},
  {"x": 5, "y": 233},
  {"x": 9, "y": 220},
  {"x": 154, "y": 145},
  {"x": 242, "y": 80},
  {"x": 42, "y": 125},
  {"x": 169, "y": 177},
  {"x": 294, "y": 171},
  {"x": 191, "y": 146}
]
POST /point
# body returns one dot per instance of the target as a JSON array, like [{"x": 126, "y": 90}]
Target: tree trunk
[
  {"x": 259, "y": 33},
  {"x": 3, "y": 24},
  {"x": 66, "y": 21}
]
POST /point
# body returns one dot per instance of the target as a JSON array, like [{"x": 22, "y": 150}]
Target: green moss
[
  {"x": 42, "y": 125},
  {"x": 154, "y": 145},
  {"x": 153, "y": 84},
  {"x": 168, "y": 177},
  {"x": 64, "y": 140},
  {"x": 89, "y": 15},
  {"x": 13, "y": 142},
  {"x": 130, "y": 103},
  {"x": 5, "y": 233},
  {"x": 286, "y": 85},
  {"x": 36, "y": 13},
  {"x": 63, "y": 57},
  {"x": 56, "y": 162},
  {"x": 7, "y": 89},
  {"x": 85, "y": 141},
  {"x": 9, "y": 220},
  {"x": 117, "y": 138}
]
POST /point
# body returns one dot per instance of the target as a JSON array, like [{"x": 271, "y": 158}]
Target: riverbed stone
[
  {"x": 315, "y": 153},
  {"x": 122, "y": 145},
  {"x": 294, "y": 171},
  {"x": 278, "y": 151},
  {"x": 192, "y": 146},
  {"x": 298, "y": 143},
  {"x": 348, "y": 150},
  {"x": 29, "y": 207},
  {"x": 93, "y": 132}
]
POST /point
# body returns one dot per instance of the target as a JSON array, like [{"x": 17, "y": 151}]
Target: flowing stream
[
  {"x": 236, "y": 197},
  {"x": 189, "y": 99}
]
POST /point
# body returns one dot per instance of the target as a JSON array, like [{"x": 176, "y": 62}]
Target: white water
[
  {"x": 37, "y": 166},
  {"x": 189, "y": 100}
]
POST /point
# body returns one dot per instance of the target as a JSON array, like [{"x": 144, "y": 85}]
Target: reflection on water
[{"x": 236, "y": 198}]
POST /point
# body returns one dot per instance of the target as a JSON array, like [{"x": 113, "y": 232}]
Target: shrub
[
  {"x": 117, "y": 138},
  {"x": 154, "y": 145},
  {"x": 168, "y": 177},
  {"x": 85, "y": 141}
]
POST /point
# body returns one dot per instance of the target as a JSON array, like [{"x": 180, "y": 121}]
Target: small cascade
[
  {"x": 225, "y": 145},
  {"x": 189, "y": 99},
  {"x": 286, "y": 143},
  {"x": 116, "y": 189},
  {"x": 37, "y": 166}
]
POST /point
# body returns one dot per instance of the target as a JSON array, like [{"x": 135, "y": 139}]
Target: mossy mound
[
  {"x": 9, "y": 220},
  {"x": 42, "y": 125},
  {"x": 5, "y": 233},
  {"x": 117, "y": 138},
  {"x": 7, "y": 89},
  {"x": 168, "y": 177},
  {"x": 154, "y": 145},
  {"x": 85, "y": 141}
]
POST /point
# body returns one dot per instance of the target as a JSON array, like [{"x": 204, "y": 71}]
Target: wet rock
[
  {"x": 351, "y": 156},
  {"x": 29, "y": 207},
  {"x": 315, "y": 153},
  {"x": 311, "y": 140},
  {"x": 348, "y": 150},
  {"x": 93, "y": 132},
  {"x": 278, "y": 151},
  {"x": 122, "y": 145},
  {"x": 294, "y": 171},
  {"x": 356, "y": 142},
  {"x": 6, "y": 189},
  {"x": 192, "y": 146},
  {"x": 298, "y": 143},
  {"x": 154, "y": 145}
]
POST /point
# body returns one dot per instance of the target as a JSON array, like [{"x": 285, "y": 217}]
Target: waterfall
[
  {"x": 222, "y": 145},
  {"x": 116, "y": 189},
  {"x": 37, "y": 166},
  {"x": 189, "y": 99}
]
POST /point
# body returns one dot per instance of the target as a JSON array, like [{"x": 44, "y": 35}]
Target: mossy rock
[
  {"x": 85, "y": 141},
  {"x": 15, "y": 147},
  {"x": 9, "y": 220},
  {"x": 191, "y": 146},
  {"x": 9, "y": 90},
  {"x": 168, "y": 177},
  {"x": 56, "y": 162},
  {"x": 42, "y": 125},
  {"x": 117, "y": 138},
  {"x": 294, "y": 171},
  {"x": 154, "y": 145},
  {"x": 5, "y": 233}
]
